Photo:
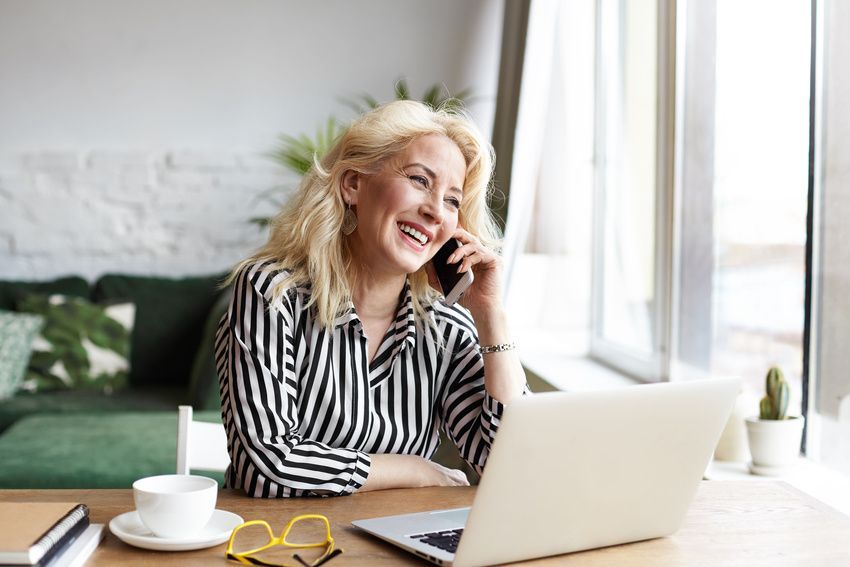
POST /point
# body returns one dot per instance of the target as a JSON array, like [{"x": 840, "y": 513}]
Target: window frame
[{"x": 656, "y": 366}]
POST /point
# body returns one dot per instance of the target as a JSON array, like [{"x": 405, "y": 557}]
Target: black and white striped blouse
[{"x": 303, "y": 407}]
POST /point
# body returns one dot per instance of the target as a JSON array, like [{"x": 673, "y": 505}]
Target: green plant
[
  {"x": 775, "y": 404},
  {"x": 437, "y": 96},
  {"x": 296, "y": 153}
]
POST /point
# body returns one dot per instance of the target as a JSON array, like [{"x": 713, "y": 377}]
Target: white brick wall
[{"x": 171, "y": 213}]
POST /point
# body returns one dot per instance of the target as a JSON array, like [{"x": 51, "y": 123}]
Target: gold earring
[{"x": 349, "y": 221}]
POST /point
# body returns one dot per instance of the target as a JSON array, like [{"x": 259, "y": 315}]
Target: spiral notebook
[{"x": 33, "y": 533}]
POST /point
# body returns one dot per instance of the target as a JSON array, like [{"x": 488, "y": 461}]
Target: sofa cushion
[
  {"x": 17, "y": 331},
  {"x": 203, "y": 386},
  {"x": 91, "y": 451},
  {"x": 170, "y": 316},
  {"x": 88, "y": 401},
  {"x": 13, "y": 291},
  {"x": 82, "y": 344}
]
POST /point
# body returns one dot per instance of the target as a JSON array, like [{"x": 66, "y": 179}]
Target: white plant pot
[
  {"x": 774, "y": 443},
  {"x": 732, "y": 445}
]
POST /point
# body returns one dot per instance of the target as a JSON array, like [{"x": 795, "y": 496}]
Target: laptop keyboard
[{"x": 446, "y": 540}]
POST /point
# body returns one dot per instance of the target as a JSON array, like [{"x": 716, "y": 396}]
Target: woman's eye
[
  {"x": 453, "y": 202},
  {"x": 419, "y": 179}
]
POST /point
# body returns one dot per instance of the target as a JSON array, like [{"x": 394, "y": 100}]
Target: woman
[{"x": 338, "y": 362}]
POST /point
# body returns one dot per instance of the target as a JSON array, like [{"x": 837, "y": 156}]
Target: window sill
[
  {"x": 564, "y": 372},
  {"x": 555, "y": 371}
]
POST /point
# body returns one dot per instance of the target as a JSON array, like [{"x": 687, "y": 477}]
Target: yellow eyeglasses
[{"x": 302, "y": 532}]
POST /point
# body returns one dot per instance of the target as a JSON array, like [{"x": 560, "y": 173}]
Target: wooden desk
[{"x": 729, "y": 523}]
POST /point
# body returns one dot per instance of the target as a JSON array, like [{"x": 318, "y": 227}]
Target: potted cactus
[{"x": 774, "y": 437}]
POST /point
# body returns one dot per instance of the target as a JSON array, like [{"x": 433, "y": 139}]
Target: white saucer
[{"x": 129, "y": 528}]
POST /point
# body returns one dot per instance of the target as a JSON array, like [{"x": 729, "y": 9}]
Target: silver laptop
[{"x": 575, "y": 471}]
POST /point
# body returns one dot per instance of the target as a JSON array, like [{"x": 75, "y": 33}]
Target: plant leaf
[
  {"x": 432, "y": 96},
  {"x": 261, "y": 222},
  {"x": 401, "y": 90}
]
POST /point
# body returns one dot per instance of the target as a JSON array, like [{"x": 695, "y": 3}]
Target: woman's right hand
[
  {"x": 435, "y": 474},
  {"x": 410, "y": 471}
]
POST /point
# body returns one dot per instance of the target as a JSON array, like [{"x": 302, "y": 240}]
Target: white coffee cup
[{"x": 175, "y": 505}]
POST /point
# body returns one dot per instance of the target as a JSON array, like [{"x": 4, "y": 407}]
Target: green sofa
[{"x": 87, "y": 439}]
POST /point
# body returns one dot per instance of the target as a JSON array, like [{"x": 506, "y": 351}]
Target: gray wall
[{"x": 131, "y": 133}]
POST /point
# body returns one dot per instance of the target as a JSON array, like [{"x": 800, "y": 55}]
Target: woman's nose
[{"x": 433, "y": 208}]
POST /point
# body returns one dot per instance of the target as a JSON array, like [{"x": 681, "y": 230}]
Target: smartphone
[{"x": 453, "y": 284}]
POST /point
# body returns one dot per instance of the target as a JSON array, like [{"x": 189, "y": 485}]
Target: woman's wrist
[
  {"x": 492, "y": 326},
  {"x": 396, "y": 471},
  {"x": 487, "y": 314}
]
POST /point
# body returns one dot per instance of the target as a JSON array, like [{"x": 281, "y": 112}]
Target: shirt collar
[
  {"x": 346, "y": 315},
  {"x": 404, "y": 323},
  {"x": 405, "y": 319}
]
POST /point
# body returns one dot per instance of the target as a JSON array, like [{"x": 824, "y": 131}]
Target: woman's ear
[{"x": 351, "y": 186}]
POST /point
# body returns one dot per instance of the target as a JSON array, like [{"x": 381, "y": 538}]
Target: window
[
  {"x": 743, "y": 186},
  {"x": 694, "y": 264},
  {"x": 694, "y": 261},
  {"x": 631, "y": 243}
]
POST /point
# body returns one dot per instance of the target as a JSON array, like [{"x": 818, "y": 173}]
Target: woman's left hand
[{"x": 485, "y": 292}]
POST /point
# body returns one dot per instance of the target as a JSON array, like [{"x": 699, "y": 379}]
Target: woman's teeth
[{"x": 414, "y": 233}]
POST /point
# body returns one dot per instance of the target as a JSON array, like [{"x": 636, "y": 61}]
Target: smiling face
[{"x": 408, "y": 209}]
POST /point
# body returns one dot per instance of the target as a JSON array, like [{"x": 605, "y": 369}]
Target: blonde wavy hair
[{"x": 305, "y": 237}]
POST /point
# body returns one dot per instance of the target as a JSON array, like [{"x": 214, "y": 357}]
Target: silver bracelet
[{"x": 487, "y": 349}]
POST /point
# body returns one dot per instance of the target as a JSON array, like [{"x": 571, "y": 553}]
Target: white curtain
[{"x": 528, "y": 138}]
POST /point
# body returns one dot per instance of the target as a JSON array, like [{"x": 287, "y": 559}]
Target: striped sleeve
[
  {"x": 470, "y": 415},
  {"x": 259, "y": 394}
]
